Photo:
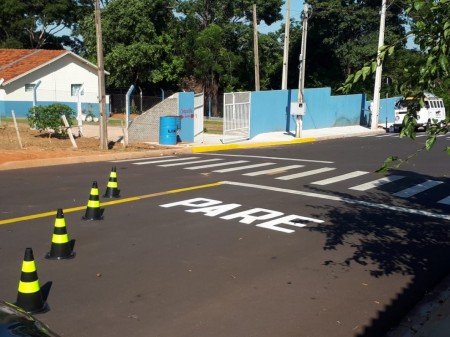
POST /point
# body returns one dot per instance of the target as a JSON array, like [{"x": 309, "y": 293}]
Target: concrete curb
[{"x": 224, "y": 147}]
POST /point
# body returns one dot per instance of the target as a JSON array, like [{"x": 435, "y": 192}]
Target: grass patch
[{"x": 213, "y": 126}]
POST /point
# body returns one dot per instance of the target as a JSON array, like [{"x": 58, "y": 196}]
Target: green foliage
[
  {"x": 40, "y": 24},
  {"x": 139, "y": 42},
  {"x": 48, "y": 118},
  {"x": 342, "y": 35},
  {"x": 430, "y": 27}
]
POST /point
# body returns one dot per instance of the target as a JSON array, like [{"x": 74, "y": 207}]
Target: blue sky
[{"x": 296, "y": 9}]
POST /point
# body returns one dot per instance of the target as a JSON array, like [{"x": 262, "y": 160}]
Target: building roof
[{"x": 15, "y": 63}]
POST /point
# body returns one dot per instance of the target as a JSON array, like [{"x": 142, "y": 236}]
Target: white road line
[
  {"x": 270, "y": 158},
  {"x": 409, "y": 192},
  {"x": 138, "y": 159},
  {"x": 215, "y": 165},
  {"x": 339, "y": 178},
  {"x": 164, "y": 160},
  {"x": 382, "y": 136},
  {"x": 340, "y": 199},
  {"x": 190, "y": 162},
  {"x": 306, "y": 173},
  {"x": 376, "y": 183},
  {"x": 272, "y": 171},
  {"x": 418, "y": 136},
  {"x": 231, "y": 169},
  {"x": 445, "y": 201}
]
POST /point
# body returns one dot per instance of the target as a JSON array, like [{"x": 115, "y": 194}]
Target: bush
[{"x": 48, "y": 118}]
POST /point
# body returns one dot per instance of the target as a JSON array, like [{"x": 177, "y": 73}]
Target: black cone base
[
  {"x": 111, "y": 193},
  {"x": 50, "y": 256},
  {"x": 32, "y": 303},
  {"x": 93, "y": 214}
]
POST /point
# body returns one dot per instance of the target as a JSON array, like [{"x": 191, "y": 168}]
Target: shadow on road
[{"x": 391, "y": 242}]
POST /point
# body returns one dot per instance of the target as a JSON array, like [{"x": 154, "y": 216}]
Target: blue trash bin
[{"x": 168, "y": 126}]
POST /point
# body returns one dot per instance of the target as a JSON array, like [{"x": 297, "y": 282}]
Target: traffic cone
[
  {"x": 60, "y": 248},
  {"x": 93, "y": 211},
  {"x": 112, "y": 190},
  {"x": 29, "y": 296}
]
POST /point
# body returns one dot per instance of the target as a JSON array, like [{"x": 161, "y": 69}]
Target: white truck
[{"x": 432, "y": 111}]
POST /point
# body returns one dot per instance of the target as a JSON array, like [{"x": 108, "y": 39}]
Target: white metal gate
[
  {"x": 199, "y": 102},
  {"x": 236, "y": 116}
]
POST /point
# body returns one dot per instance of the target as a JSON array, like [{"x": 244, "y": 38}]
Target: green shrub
[{"x": 48, "y": 118}]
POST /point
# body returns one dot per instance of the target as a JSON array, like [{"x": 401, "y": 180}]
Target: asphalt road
[{"x": 300, "y": 240}]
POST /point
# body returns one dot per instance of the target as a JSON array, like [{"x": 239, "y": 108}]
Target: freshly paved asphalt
[{"x": 147, "y": 270}]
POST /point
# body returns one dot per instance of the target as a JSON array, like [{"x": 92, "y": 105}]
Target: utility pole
[
  {"x": 286, "y": 46},
  {"x": 255, "y": 47},
  {"x": 101, "y": 79},
  {"x": 376, "y": 92},
  {"x": 301, "y": 76}
]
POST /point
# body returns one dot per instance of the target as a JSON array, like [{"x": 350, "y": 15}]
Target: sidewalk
[{"x": 430, "y": 317}]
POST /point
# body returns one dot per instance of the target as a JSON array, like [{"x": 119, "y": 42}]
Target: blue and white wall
[
  {"x": 271, "y": 110},
  {"x": 56, "y": 80}
]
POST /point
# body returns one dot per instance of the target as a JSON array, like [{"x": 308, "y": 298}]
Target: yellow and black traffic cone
[
  {"x": 93, "y": 211},
  {"x": 61, "y": 248},
  {"x": 112, "y": 190},
  {"x": 29, "y": 296}
]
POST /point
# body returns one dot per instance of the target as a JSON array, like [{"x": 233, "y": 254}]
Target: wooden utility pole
[
  {"x": 284, "y": 79},
  {"x": 101, "y": 80},
  {"x": 376, "y": 92},
  {"x": 256, "y": 48}
]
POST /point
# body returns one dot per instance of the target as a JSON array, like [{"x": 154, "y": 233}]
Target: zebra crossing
[{"x": 280, "y": 172}]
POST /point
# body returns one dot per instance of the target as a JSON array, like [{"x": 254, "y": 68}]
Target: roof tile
[{"x": 16, "y": 62}]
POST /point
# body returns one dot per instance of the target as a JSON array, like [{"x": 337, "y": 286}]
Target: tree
[
  {"x": 430, "y": 28},
  {"x": 40, "y": 23},
  {"x": 48, "y": 118},
  {"x": 138, "y": 42},
  {"x": 341, "y": 34},
  {"x": 228, "y": 62}
]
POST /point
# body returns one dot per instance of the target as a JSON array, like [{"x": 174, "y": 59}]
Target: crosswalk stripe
[
  {"x": 339, "y": 178},
  {"x": 272, "y": 171},
  {"x": 190, "y": 162},
  {"x": 419, "y": 136},
  {"x": 231, "y": 169},
  {"x": 409, "y": 192},
  {"x": 306, "y": 173},
  {"x": 376, "y": 183},
  {"x": 215, "y": 165},
  {"x": 137, "y": 159},
  {"x": 164, "y": 161},
  {"x": 445, "y": 201}
]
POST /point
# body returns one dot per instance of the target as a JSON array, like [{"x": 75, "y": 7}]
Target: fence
[{"x": 139, "y": 104}]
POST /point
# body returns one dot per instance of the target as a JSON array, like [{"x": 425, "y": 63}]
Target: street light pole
[
  {"x": 301, "y": 77},
  {"x": 376, "y": 92},
  {"x": 284, "y": 79},
  {"x": 101, "y": 79}
]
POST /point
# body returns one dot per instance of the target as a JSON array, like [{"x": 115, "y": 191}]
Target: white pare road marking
[{"x": 212, "y": 208}]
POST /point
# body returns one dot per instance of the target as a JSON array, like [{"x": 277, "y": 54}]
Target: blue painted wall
[
  {"x": 186, "y": 112},
  {"x": 270, "y": 110},
  {"x": 386, "y": 109}
]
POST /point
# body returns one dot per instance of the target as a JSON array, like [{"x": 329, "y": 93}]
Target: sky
[{"x": 296, "y": 9}]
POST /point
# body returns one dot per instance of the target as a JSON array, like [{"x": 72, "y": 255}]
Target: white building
[{"x": 31, "y": 77}]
